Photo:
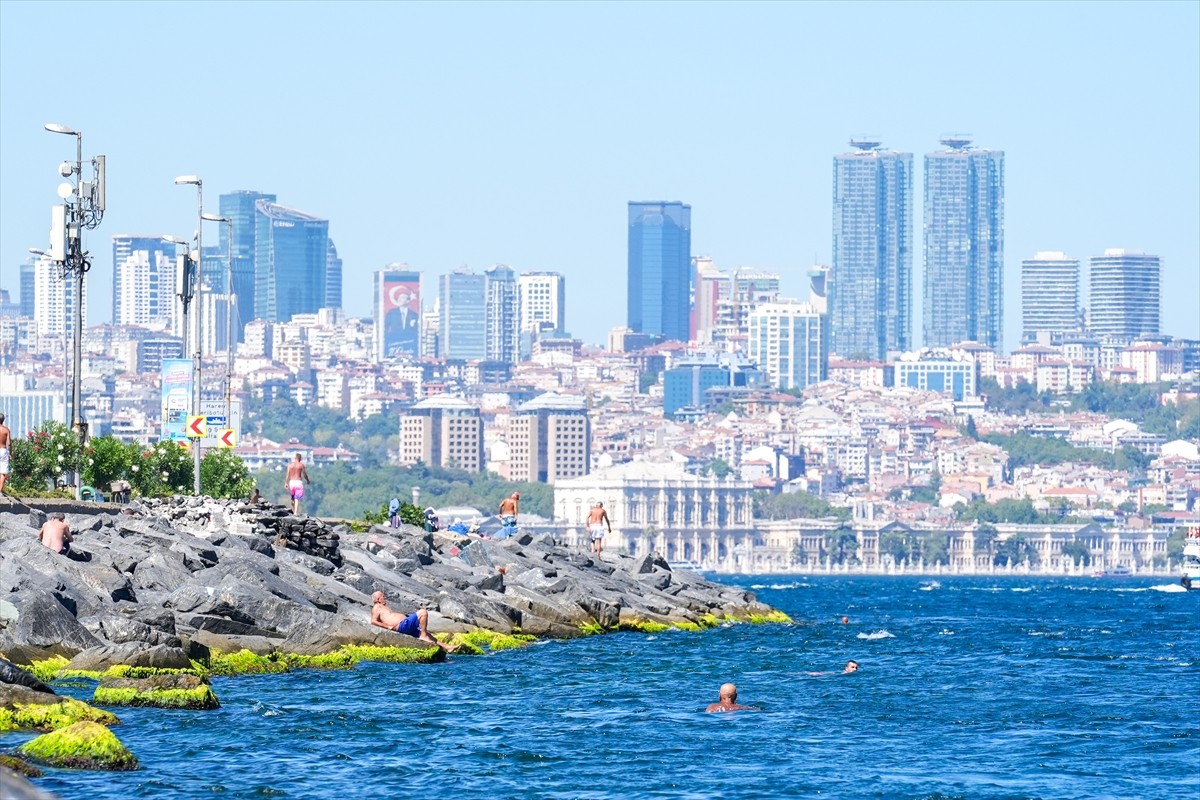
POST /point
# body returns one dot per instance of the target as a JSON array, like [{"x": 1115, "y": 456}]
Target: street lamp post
[
  {"x": 230, "y": 303},
  {"x": 66, "y": 247},
  {"x": 198, "y": 346}
]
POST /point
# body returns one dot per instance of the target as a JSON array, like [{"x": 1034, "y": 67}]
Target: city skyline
[{"x": 446, "y": 163}]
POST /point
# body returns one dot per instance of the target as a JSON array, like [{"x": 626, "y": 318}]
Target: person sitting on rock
[
  {"x": 56, "y": 534},
  {"x": 394, "y": 512},
  {"x": 728, "y": 701},
  {"x": 415, "y": 624}
]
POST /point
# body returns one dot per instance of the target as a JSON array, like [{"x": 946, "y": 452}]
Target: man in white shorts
[
  {"x": 596, "y": 522},
  {"x": 5, "y": 443}
]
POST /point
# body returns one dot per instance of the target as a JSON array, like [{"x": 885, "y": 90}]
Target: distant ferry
[
  {"x": 1115, "y": 572},
  {"x": 1191, "y": 560}
]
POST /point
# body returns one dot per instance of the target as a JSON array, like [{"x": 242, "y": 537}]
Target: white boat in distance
[{"x": 1191, "y": 560}]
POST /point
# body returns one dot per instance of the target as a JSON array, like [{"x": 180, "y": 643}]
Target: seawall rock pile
[{"x": 191, "y": 576}]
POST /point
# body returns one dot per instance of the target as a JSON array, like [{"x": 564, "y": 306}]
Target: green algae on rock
[
  {"x": 395, "y": 655},
  {"x": 84, "y": 745},
  {"x": 63, "y": 712},
  {"x": 19, "y": 766},
  {"x": 158, "y": 691},
  {"x": 481, "y": 639},
  {"x": 47, "y": 670}
]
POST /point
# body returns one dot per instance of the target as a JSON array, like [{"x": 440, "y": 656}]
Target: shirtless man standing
[
  {"x": 56, "y": 534},
  {"x": 5, "y": 443},
  {"x": 728, "y": 700},
  {"x": 596, "y": 521},
  {"x": 414, "y": 625},
  {"x": 297, "y": 476},
  {"x": 508, "y": 514}
]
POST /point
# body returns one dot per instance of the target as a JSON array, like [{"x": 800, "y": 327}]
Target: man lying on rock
[{"x": 415, "y": 624}]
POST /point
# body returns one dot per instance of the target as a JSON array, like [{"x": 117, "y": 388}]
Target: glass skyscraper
[
  {"x": 870, "y": 285},
  {"x": 463, "y": 300},
  {"x": 291, "y": 257},
  {"x": 1124, "y": 294},
  {"x": 503, "y": 315},
  {"x": 1049, "y": 296},
  {"x": 964, "y": 245},
  {"x": 660, "y": 260},
  {"x": 239, "y": 207}
]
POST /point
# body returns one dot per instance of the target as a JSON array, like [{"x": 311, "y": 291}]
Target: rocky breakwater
[{"x": 205, "y": 576}]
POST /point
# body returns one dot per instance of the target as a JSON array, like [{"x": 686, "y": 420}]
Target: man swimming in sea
[
  {"x": 851, "y": 668},
  {"x": 728, "y": 701},
  {"x": 415, "y": 624}
]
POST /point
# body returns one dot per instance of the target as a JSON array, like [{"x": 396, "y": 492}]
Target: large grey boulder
[
  {"x": 134, "y": 654},
  {"x": 45, "y": 626}
]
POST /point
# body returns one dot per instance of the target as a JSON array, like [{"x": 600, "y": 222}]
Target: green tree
[
  {"x": 1016, "y": 550},
  {"x": 1078, "y": 552},
  {"x": 842, "y": 545},
  {"x": 107, "y": 459},
  {"x": 935, "y": 547},
  {"x": 223, "y": 474},
  {"x": 165, "y": 468},
  {"x": 985, "y": 539},
  {"x": 900, "y": 545},
  {"x": 720, "y": 468},
  {"x": 930, "y": 493},
  {"x": 39, "y": 461},
  {"x": 795, "y": 505},
  {"x": 972, "y": 431}
]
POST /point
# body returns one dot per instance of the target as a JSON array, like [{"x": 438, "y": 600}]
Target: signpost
[{"x": 219, "y": 425}]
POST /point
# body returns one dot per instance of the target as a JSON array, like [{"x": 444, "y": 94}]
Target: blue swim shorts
[{"x": 410, "y": 626}]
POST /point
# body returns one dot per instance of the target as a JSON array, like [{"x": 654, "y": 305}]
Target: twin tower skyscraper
[
  {"x": 871, "y": 280},
  {"x": 871, "y": 290}
]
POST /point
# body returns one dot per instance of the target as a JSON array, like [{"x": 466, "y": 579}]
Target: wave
[
  {"x": 1021, "y": 589},
  {"x": 881, "y": 634},
  {"x": 929, "y": 587},
  {"x": 1170, "y": 588},
  {"x": 945, "y": 632},
  {"x": 780, "y": 585}
]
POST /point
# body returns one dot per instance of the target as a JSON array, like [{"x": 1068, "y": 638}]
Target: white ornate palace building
[{"x": 658, "y": 507}]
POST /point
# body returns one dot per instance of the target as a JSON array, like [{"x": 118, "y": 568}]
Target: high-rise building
[
  {"x": 549, "y": 439},
  {"x": 144, "y": 282},
  {"x": 397, "y": 312},
  {"x": 462, "y": 298},
  {"x": 54, "y": 301},
  {"x": 443, "y": 431},
  {"x": 871, "y": 280},
  {"x": 660, "y": 259},
  {"x": 790, "y": 340},
  {"x": 291, "y": 256},
  {"x": 964, "y": 245},
  {"x": 28, "y": 271},
  {"x": 1124, "y": 294},
  {"x": 543, "y": 301},
  {"x": 503, "y": 312},
  {"x": 1049, "y": 296},
  {"x": 333, "y": 278},
  {"x": 239, "y": 206}
]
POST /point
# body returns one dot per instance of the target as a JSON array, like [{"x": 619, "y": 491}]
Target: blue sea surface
[{"x": 969, "y": 687}]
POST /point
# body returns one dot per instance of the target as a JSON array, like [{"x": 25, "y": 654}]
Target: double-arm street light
[
  {"x": 230, "y": 304},
  {"x": 66, "y": 248},
  {"x": 198, "y": 346}
]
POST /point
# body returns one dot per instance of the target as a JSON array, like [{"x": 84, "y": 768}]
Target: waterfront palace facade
[{"x": 707, "y": 523}]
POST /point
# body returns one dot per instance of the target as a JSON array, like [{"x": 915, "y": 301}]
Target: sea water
[{"x": 970, "y": 687}]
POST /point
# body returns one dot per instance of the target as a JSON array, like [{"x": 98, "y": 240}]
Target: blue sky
[{"x": 447, "y": 134}]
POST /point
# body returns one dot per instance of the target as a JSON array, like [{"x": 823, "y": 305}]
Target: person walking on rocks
[
  {"x": 508, "y": 515},
  {"x": 56, "y": 534},
  {"x": 596, "y": 521},
  {"x": 297, "y": 476},
  {"x": 415, "y": 624},
  {"x": 5, "y": 443}
]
